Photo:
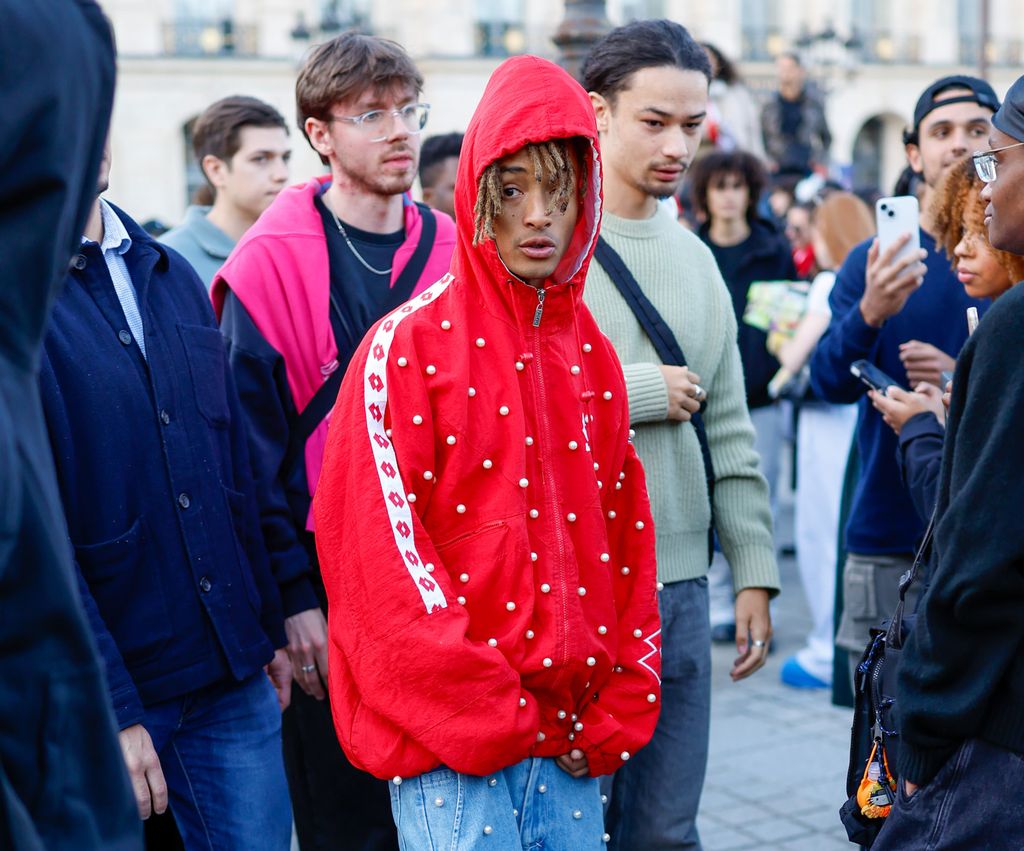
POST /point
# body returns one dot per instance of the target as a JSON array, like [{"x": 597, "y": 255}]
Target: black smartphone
[{"x": 872, "y": 376}]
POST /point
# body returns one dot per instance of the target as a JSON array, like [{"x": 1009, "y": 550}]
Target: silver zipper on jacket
[{"x": 539, "y": 312}]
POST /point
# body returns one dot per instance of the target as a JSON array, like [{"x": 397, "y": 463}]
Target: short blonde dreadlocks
[{"x": 550, "y": 159}]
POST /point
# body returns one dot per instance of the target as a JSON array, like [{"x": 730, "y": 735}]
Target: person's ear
[
  {"x": 215, "y": 170},
  {"x": 319, "y": 134},
  {"x": 428, "y": 196},
  {"x": 914, "y": 158},
  {"x": 602, "y": 111}
]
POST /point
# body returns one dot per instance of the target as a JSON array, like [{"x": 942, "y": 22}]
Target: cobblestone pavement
[{"x": 777, "y": 765}]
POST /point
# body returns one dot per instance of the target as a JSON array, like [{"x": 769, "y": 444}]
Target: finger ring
[
  {"x": 308, "y": 669},
  {"x": 699, "y": 393},
  {"x": 757, "y": 642}
]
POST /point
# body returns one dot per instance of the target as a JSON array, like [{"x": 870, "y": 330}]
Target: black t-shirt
[
  {"x": 792, "y": 116},
  {"x": 359, "y": 294},
  {"x": 729, "y": 259}
]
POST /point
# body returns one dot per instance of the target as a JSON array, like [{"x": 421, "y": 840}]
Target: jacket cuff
[
  {"x": 919, "y": 425},
  {"x": 919, "y": 765},
  {"x": 128, "y": 708},
  {"x": 755, "y": 567},
  {"x": 298, "y": 596},
  {"x": 646, "y": 391}
]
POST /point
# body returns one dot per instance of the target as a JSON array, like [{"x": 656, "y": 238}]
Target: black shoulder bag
[
  {"x": 874, "y": 737},
  {"x": 668, "y": 348},
  {"x": 323, "y": 400}
]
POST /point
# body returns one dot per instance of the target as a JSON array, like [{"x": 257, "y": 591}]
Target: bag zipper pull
[{"x": 539, "y": 312}]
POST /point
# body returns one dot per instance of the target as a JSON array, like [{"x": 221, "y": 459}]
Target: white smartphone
[{"x": 895, "y": 216}]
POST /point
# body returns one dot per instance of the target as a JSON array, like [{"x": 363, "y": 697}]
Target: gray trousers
[{"x": 870, "y": 594}]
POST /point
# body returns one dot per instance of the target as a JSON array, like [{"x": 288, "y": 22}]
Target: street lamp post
[{"x": 584, "y": 24}]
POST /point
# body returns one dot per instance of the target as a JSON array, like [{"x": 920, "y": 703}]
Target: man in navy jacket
[
  {"x": 907, "y": 317},
  {"x": 153, "y": 469},
  {"x": 63, "y": 786}
]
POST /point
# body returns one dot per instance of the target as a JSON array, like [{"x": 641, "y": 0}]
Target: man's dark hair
[
  {"x": 218, "y": 128},
  {"x": 727, "y": 72},
  {"x": 434, "y": 152},
  {"x": 345, "y": 67},
  {"x": 611, "y": 63},
  {"x": 793, "y": 55},
  {"x": 711, "y": 169}
]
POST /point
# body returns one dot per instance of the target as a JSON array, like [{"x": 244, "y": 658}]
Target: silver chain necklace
[{"x": 352, "y": 248}]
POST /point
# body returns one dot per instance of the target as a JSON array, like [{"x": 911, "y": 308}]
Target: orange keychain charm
[{"x": 878, "y": 788}]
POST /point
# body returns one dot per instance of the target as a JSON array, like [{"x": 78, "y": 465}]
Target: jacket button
[
  {"x": 124, "y": 337},
  {"x": 183, "y": 500},
  {"x": 165, "y": 417},
  {"x": 79, "y": 262},
  {"x": 205, "y": 584}
]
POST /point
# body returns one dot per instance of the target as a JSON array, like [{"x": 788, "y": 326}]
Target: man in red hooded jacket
[{"x": 482, "y": 518}]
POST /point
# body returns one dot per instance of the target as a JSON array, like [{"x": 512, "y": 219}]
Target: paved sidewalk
[{"x": 777, "y": 767}]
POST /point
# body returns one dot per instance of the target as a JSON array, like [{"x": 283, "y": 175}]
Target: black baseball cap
[{"x": 980, "y": 93}]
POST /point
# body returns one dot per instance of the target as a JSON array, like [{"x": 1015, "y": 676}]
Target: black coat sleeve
[{"x": 259, "y": 373}]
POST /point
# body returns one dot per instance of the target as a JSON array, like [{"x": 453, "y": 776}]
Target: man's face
[
  {"x": 256, "y": 173},
  {"x": 947, "y": 134},
  {"x": 651, "y": 131},
  {"x": 441, "y": 193},
  {"x": 1004, "y": 215},
  {"x": 790, "y": 74},
  {"x": 103, "y": 178},
  {"x": 532, "y": 233},
  {"x": 385, "y": 167},
  {"x": 728, "y": 197}
]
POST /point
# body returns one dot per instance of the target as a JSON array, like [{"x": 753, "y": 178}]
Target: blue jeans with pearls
[{"x": 530, "y": 805}]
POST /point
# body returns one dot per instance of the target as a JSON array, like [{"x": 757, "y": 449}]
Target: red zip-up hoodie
[{"x": 483, "y": 525}]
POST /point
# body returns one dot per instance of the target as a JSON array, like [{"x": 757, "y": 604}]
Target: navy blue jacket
[
  {"x": 153, "y": 468},
  {"x": 63, "y": 784},
  {"x": 882, "y": 516},
  {"x": 921, "y": 440},
  {"x": 767, "y": 257}
]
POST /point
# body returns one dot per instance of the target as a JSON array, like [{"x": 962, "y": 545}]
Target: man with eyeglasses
[
  {"x": 906, "y": 316},
  {"x": 322, "y": 264},
  {"x": 960, "y": 690}
]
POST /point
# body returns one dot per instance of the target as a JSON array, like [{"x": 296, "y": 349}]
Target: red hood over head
[{"x": 527, "y": 100}]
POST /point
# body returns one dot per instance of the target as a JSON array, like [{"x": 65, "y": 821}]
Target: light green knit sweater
[{"x": 678, "y": 274}]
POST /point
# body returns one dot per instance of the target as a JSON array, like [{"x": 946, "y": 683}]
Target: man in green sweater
[{"x": 648, "y": 82}]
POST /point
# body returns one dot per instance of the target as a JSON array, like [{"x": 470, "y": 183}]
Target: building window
[
  {"x": 872, "y": 25},
  {"x": 762, "y": 32},
  {"x": 499, "y": 27},
  {"x": 208, "y": 28},
  {"x": 968, "y": 19},
  {"x": 638, "y": 10}
]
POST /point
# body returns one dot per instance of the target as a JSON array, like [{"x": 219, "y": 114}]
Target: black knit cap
[
  {"x": 931, "y": 98},
  {"x": 1010, "y": 118}
]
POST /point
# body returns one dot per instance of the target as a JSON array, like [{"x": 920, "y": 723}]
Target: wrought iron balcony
[{"x": 222, "y": 37}]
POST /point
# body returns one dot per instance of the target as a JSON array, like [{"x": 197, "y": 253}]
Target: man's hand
[
  {"x": 947, "y": 396},
  {"x": 574, "y": 763},
  {"x": 307, "y": 647},
  {"x": 279, "y": 672},
  {"x": 924, "y": 362},
  {"x": 144, "y": 770},
  {"x": 898, "y": 405},
  {"x": 888, "y": 282},
  {"x": 684, "y": 392},
  {"x": 753, "y": 632}
]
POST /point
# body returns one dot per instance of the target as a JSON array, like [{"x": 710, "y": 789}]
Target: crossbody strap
[
  {"x": 668, "y": 349},
  {"x": 319, "y": 406},
  {"x": 894, "y": 636}
]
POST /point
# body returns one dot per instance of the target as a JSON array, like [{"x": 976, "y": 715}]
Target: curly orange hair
[{"x": 957, "y": 209}]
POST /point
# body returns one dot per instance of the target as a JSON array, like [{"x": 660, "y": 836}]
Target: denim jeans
[
  {"x": 530, "y": 806},
  {"x": 975, "y": 802},
  {"x": 220, "y": 750},
  {"x": 655, "y": 796}
]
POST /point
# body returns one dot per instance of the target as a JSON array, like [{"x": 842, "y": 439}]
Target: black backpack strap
[
  {"x": 894, "y": 635},
  {"x": 323, "y": 400},
  {"x": 668, "y": 348}
]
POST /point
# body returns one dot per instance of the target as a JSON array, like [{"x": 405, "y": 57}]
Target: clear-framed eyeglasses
[
  {"x": 985, "y": 162},
  {"x": 374, "y": 123}
]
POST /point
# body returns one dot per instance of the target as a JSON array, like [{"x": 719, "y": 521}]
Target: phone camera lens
[
  {"x": 891, "y": 214},
  {"x": 885, "y": 206}
]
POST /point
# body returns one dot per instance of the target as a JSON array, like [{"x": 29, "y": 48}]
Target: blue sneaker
[{"x": 795, "y": 675}]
